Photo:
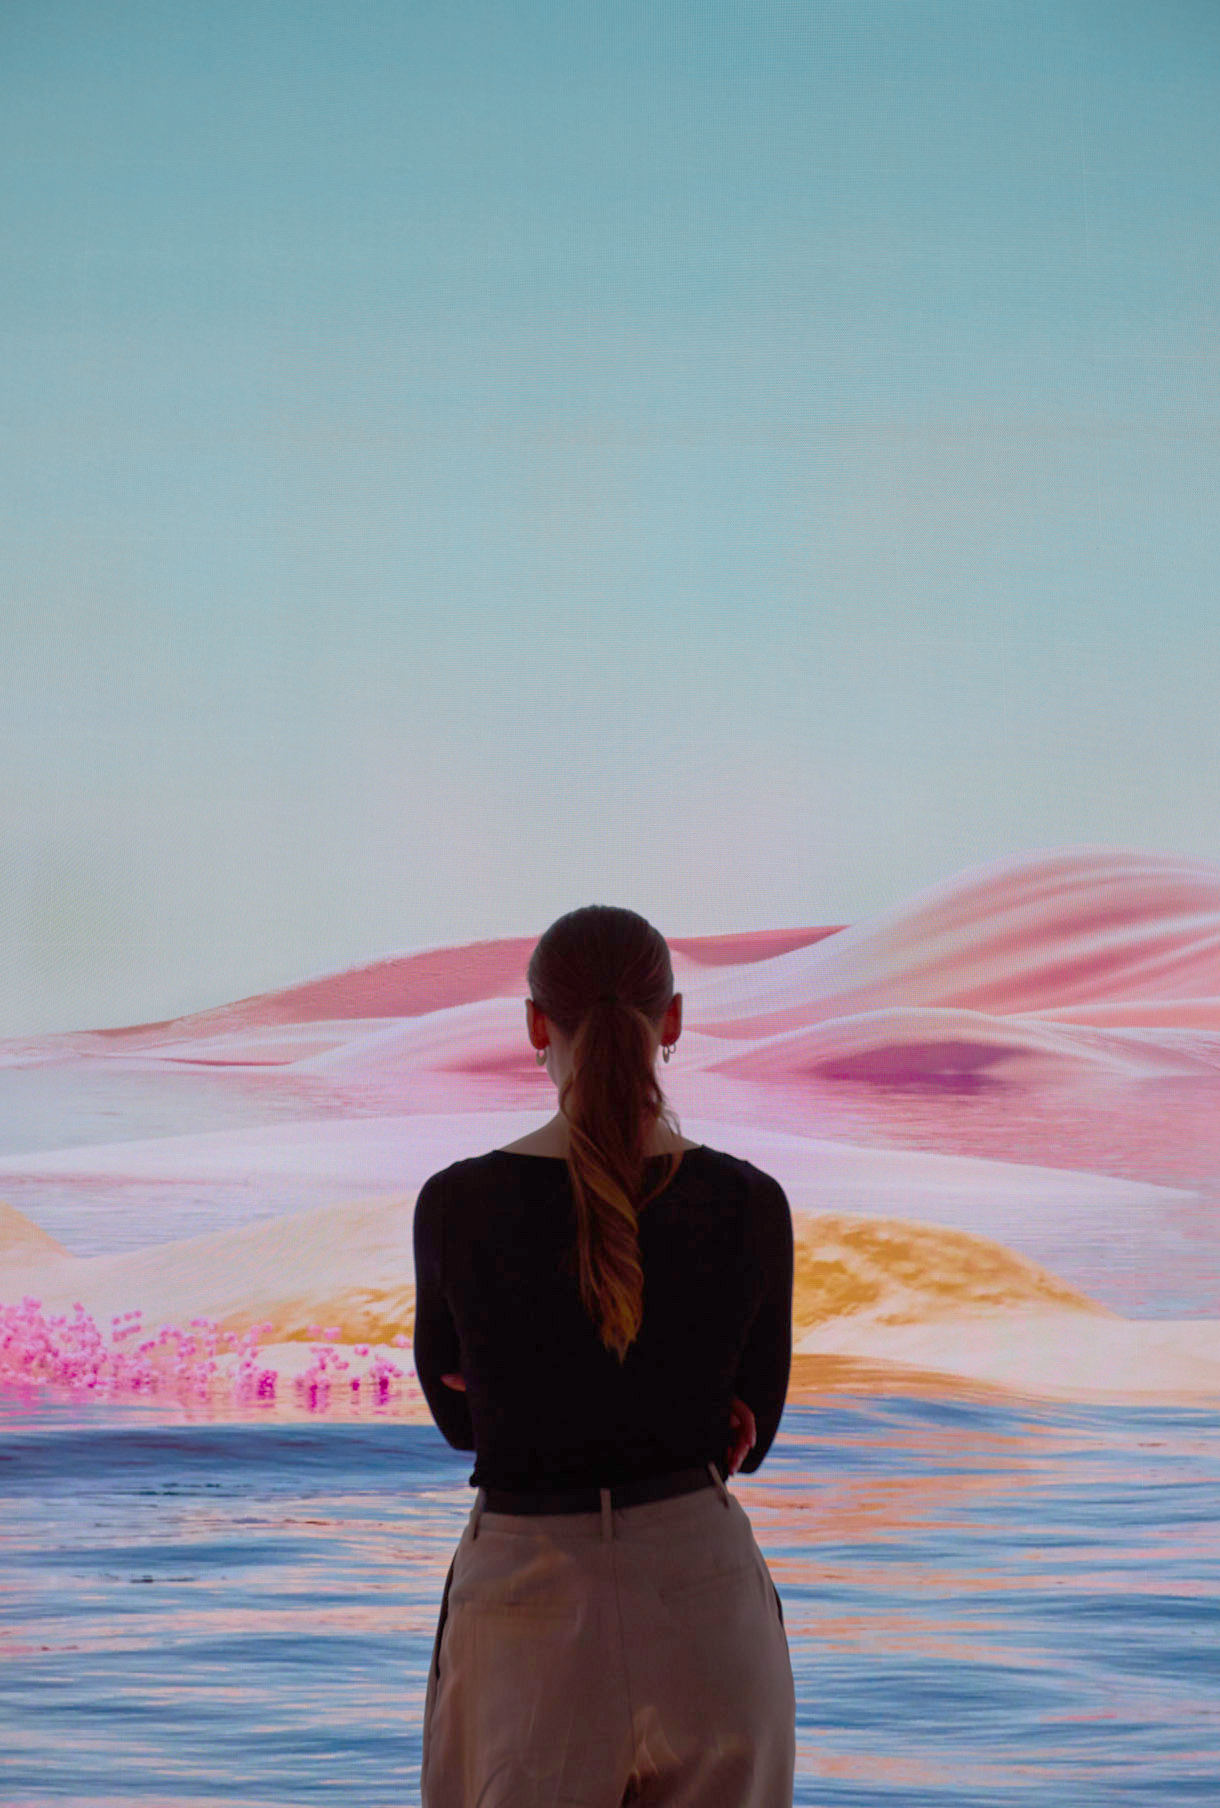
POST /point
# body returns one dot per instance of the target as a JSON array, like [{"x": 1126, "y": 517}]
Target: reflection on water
[{"x": 985, "y": 1602}]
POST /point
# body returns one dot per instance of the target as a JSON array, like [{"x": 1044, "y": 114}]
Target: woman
[{"x": 604, "y": 1315}]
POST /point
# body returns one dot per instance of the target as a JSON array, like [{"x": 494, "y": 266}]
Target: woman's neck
[{"x": 553, "y": 1139}]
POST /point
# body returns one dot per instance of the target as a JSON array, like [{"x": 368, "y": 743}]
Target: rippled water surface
[{"x": 986, "y": 1603}]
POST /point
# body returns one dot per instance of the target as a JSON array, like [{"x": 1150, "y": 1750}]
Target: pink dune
[
  {"x": 412, "y": 985},
  {"x": 1065, "y": 977}
]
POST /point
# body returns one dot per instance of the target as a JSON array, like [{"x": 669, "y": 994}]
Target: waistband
[{"x": 589, "y": 1500}]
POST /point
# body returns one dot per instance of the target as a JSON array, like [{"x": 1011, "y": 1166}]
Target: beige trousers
[{"x": 585, "y": 1661}]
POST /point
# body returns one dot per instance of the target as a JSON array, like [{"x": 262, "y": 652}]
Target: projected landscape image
[
  {"x": 752, "y": 465},
  {"x": 269, "y": 1267}
]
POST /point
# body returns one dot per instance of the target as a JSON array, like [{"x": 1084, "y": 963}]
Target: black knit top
[{"x": 547, "y": 1406}]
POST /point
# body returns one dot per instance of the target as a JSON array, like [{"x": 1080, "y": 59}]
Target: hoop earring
[
  {"x": 540, "y": 1056},
  {"x": 667, "y": 1051}
]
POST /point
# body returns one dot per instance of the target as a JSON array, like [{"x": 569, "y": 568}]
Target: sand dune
[
  {"x": 411, "y": 984},
  {"x": 22, "y": 1241},
  {"x": 1037, "y": 932},
  {"x": 351, "y": 1266},
  {"x": 1047, "y": 1354},
  {"x": 347, "y": 1266},
  {"x": 396, "y": 1153},
  {"x": 1101, "y": 960},
  {"x": 1047, "y": 969},
  {"x": 908, "y": 1043},
  {"x": 897, "y": 1294}
]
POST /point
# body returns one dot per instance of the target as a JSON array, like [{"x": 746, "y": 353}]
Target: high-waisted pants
[{"x": 585, "y": 1661}]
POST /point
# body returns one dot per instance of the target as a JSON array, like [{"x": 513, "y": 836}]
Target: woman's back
[{"x": 546, "y": 1404}]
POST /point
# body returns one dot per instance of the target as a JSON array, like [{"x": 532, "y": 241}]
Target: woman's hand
[
  {"x": 745, "y": 1432},
  {"x": 454, "y": 1381}
]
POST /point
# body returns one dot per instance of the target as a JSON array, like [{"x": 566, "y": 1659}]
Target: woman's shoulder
[
  {"x": 726, "y": 1160},
  {"x": 759, "y": 1194},
  {"x": 445, "y": 1180}
]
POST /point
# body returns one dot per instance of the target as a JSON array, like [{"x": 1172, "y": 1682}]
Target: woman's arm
[
  {"x": 436, "y": 1343},
  {"x": 766, "y": 1361}
]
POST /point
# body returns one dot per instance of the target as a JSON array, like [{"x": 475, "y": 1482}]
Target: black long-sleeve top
[{"x": 547, "y": 1407}]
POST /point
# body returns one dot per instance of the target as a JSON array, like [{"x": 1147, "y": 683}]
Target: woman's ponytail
[{"x": 603, "y": 977}]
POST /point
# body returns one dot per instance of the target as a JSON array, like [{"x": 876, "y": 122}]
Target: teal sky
[{"x": 460, "y": 461}]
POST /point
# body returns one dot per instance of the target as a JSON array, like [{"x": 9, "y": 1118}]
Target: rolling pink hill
[{"x": 1047, "y": 969}]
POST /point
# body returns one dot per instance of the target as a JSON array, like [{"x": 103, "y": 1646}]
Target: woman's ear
[{"x": 532, "y": 1014}]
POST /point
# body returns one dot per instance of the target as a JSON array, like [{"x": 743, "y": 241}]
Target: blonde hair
[{"x": 603, "y": 977}]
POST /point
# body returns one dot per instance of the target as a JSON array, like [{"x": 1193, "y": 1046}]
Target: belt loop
[
  {"x": 607, "y": 1517},
  {"x": 476, "y": 1512},
  {"x": 717, "y": 1479}
]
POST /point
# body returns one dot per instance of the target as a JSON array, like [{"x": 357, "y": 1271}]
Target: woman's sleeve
[
  {"x": 437, "y": 1349},
  {"x": 766, "y": 1362}
]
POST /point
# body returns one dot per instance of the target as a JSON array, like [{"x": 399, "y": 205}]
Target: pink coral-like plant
[{"x": 73, "y": 1355}]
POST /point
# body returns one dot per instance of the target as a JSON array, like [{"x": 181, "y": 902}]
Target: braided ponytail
[{"x": 603, "y": 976}]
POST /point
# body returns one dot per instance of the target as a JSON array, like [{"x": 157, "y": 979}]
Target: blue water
[{"x": 986, "y": 1604}]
